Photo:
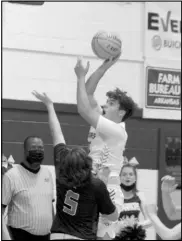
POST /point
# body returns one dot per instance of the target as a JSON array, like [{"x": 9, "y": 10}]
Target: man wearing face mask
[{"x": 27, "y": 190}]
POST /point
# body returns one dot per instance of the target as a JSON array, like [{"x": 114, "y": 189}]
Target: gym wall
[{"x": 40, "y": 49}]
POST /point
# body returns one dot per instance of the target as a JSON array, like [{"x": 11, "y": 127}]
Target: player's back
[{"x": 77, "y": 210}]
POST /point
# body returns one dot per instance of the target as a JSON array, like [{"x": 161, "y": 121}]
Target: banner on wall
[
  {"x": 163, "y": 30},
  {"x": 163, "y": 88}
]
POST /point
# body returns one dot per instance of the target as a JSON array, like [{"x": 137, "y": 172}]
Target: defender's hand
[{"x": 43, "y": 97}]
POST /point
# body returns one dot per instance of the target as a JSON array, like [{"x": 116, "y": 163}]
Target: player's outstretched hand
[
  {"x": 168, "y": 184},
  {"x": 80, "y": 69},
  {"x": 43, "y": 97},
  {"x": 110, "y": 62}
]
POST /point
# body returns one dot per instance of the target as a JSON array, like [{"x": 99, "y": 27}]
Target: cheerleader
[{"x": 134, "y": 204}]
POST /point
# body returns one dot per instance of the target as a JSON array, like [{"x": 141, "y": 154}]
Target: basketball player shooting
[{"x": 107, "y": 134}]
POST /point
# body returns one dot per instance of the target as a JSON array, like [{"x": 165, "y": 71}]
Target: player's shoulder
[
  {"x": 122, "y": 125},
  {"x": 97, "y": 184}
]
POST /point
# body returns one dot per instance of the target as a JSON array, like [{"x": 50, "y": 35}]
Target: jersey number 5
[{"x": 71, "y": 200}]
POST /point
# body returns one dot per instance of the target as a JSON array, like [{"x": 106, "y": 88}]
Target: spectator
[
  {"x": 168, "y": 186},
  {"x": 134, "y": 201},
  {"x": 164, "y": 232}
]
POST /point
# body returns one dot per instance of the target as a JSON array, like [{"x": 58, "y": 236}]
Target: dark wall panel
[
  {"x": 153, "y": 124},
  {"x": 41, "y": 116},
  {"x": 18, "y": 131},
  {"x": 74, "y": 134},
  {"x": 147, "y": 158},
  {"x": 142, "y": 137},
  {"x": 23, "y": 118}
]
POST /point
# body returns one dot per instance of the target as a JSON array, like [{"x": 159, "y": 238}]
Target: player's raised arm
[
  {"x": 83, "y": 104},
  {"x": 164, "y": 232},
  {"x": 55, "y": 128},
  {"x": 94, "y": 79},
  {"x": 167, "y": 187}
]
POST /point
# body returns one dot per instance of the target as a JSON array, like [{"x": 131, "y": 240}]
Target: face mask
[
  {"x": 35, "y": 156},
  {"x": 128, "y": 188}
]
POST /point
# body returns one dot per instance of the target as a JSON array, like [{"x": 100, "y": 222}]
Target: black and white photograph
[{"x": 90, "y": 120}]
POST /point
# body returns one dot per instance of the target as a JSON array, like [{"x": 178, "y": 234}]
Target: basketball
[{"x": 106, "y": 45}]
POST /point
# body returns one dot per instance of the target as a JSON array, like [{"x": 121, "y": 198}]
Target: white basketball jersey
[{"x": 107, "y": 151}]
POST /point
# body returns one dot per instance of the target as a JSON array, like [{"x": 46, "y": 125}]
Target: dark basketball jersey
[
  {"x": 77, "y": 209},
  {"x": 130, "y": 208}
]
